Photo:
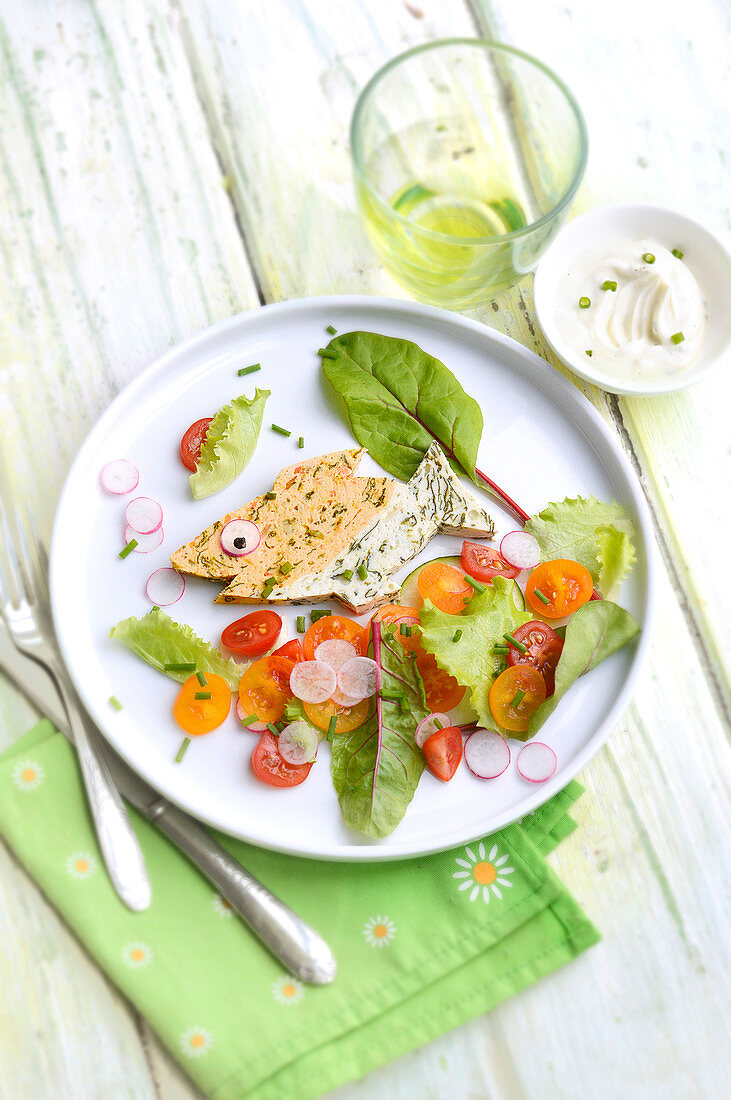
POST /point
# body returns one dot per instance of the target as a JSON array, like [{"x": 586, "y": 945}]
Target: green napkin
[{"x": 422, "y": 945}]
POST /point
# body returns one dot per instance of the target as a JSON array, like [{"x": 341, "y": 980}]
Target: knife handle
[{"x": 299, "y": 947}]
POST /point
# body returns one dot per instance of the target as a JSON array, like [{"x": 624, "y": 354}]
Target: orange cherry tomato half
[
  {"x": 292, "y": 650},
  {"x": 511, "y": 714},
  {"x": 543, "y": 651},
  {"x": 443, "y": 752},
  {"x": 484, "y": 563},
  {"x": 254, "y": 634},
  {"x": 335, "y": 626},
  {"x": 445, "y": 586},
  {"x": 347, "y": 718},
  {"x": 566, "y": 584},
  {"x": 198, "y": 716},
  {"x": 192, "y": 441},
  {"x": 442, "y": 690},
  {"x": 270, "y": 767},
  {"x": 264, "y": 688}
]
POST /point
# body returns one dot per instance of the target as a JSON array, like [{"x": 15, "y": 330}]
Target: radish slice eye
[
  {"x": 429, "y": 725},
  {"x": 521, "y": 549},
  {"x": 486, "y": 754},
  {"x": 239, "y": 538},
  {"x": 119, "y": 476},
  {"x": 143, "y": 515},
  {"x": 297, "y": 743},
  {"x": 357, "y": 678},
  {"x": 312, "y": 681},
  {"x": 165, "y": 586},
  {"x": 537, "y": 762},
  {"x": 145, "y": 543},
  {"x": 335, "y": 652},
  {"x": 253, "y": 727}
]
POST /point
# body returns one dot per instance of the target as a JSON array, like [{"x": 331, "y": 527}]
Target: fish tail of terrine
[{"x": 457, "y": 510}]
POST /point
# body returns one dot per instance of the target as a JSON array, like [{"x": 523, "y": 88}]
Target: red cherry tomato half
[
  {"x": 443, "y": 752},
  {"x": 484, "y": 563},
  {"x": 268, "y": 766},
  {"x": 543, "y": 651},
  {"x": 292, "y": 650},
  {"x": 254, "y": 634},
  {"x": 192, "y": 441}
]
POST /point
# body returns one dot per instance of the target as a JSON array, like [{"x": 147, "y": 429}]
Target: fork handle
[{"x": 119, "y": 845}]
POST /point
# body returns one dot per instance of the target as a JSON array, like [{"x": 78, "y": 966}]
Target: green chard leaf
[
  {"x": 485, "y": 620},
  {"x": 589, "y": 531},
  {"x": 594, "y": 632},
  {"x": 397, "y": 399},
  {"x": 376, "y": 768},
  {"x": 161, "y": 641},
  {"x": 229, "y": 444}
]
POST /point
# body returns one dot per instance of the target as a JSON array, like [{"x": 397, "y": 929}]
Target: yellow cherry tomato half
[
  {"x": 264, "y": 688},
  {"x": 516, "y": 693},
  {"x": 347, "y": 718},
  {"x": 198, "y": 716}
]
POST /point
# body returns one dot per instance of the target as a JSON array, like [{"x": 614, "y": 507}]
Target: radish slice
[
  {"x": 144, "y": 515},
  {"x": 119, "y": 476},
  {"x": 486, "y": 754},
  {"x": 253, "y": 727},
  {"x": 297, "y": 743},
  {"x": 145, "y": 543},
  {"x": 521, "y": 549},
  {"x": 165, "y": 586},
  {"x": 312, "y": 681},
  {"x": 239, "y": 538},
  {"x": 341, "y": 700},
  {"x": 537, "y": 762},
  {"x": 357, "y": 678},
  {"x": 429, "y": 725},
  {"x": 335, "y": 652}
]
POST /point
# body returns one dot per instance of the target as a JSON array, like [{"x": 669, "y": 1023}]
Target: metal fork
[{"x": 25, "y": 608}]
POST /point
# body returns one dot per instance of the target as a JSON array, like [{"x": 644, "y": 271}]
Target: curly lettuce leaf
[
  {"x": 161, "y": 641},
  {"x": 589, "y": 531},
  {"x": 487, "y": 617},
  {"x": 229, "y": 444}
]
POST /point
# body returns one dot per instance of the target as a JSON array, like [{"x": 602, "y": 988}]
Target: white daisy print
[
  {"x": 195, "y": 1041},
  {"x": 81, "y": 865},
  {"x": 223, "y": 908},
  {"x": 288, "y": 990},
  {"x": 379, "y": 931},
  {"x": 27, "y": 775},
  {"x": 136, "y": 955},
  {"x": 483, "y": 872}
]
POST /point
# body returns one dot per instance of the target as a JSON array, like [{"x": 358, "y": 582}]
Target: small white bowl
[{"x": 706, "y": 257}]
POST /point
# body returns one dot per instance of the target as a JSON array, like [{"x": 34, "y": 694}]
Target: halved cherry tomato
[
  {"x": 198, "y": 716},
  {"x": 484, "y": 563},
  {"x": 192, "y": 441},
  {"x": 292, "y": 650},
  {"x": 270, "y": 767},
  {"x": 445, "y": 586},
  {"x": 544, "y": 649},
  {"x": 335, "y": 626},
  {"x": 254, "y": 634},
  {"x": 348, "y": 718},
  {"x": 566, "y": 584},
  {"x": 264, "y": 688},
  {"x": 442, "y": 690},
  {"x": 443, "y": 752},
  {"x": 518, "y": 678}
]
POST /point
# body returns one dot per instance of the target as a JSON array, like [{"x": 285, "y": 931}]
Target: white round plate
[{"x": 542, "y": 441}]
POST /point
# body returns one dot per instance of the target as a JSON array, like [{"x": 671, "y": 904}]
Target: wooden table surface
[{"x": 167, "y": 163}]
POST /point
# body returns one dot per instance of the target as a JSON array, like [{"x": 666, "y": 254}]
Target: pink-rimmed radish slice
[
  {"x": 239, "y": 538},
  {"x": 521, "y": 549},
  {"x": 335, "y": 652},
  {"x": 145, "y": 543},
  {"x": 165, "y": 586},
  {"x": 297, "y": 743},
  {"x": 253, "y": 727},
  {"x": 537, "y": 762},
  {"x": 486, "y": 754},
  {"x": 429, "y": 725},
  {"x": 119, "y": 476},
  {"x": 144, "y": 515},
  {"x": 357, "y": 678},
  {"x": 312, "y": 681},
  {"x": 341, "y": 700}
]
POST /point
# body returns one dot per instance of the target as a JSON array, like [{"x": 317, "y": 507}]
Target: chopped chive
[
  {"x": 393, "y": 696},
  {"x": 315, "y": 615},
  {"x": 677, "y": 338},
  {"x": 185, "y": 666},
  {"x": 517, "y": 698},
  {"x": 200, "y": 676},
  {"x": 466, "y": 599},
  {"x": 475, "y": 584},
  {"x": 514, "y": 642},
  {"x": 269, "y": 584},
  {"x": 202, "y": 695},
  {"x": 363, "y": 571},
  {"x": 286, "y": 567},
  {"x": 584, "y": 302},
  {"x": 544, "y": 599},
  {"x": 280, "y": 431},
  {"x": 500, "y": 648},
  {"x": 412, "y": 655},
  {"x": 403, "y": 706},
  {"x": 331, "y": 727},
  {"x": 156, "y": 608},
  {"x": 314, "y": 533},
  {"x": 331, "y": 329},
  {"x": 249, "y": 370},
  {"x": 182, "y": 750},
  {"x": 270, "y": 495},
  {"x": 439, "y": 724},
  {"x": 114, "y": 702},
  {"x": 589, "y": 352},
  {"x": 131, "y": 545},
  {"x": 457, "y": 635},
  {"x": 609, "y": 284},
  {"x": 249, "y": 719},
  {"x": 326, "y": 353},
  {"x": 273, "y": 729},
  {"x": 348, "y": 574},
  {"x": 405, "y": 630},
  {"x": 301, "y": 442},
  {"x": 648, "y": 257},
  {"x": 280, "y": 725},
  {"x": 678, "y": 254},
  {"x": 301, "y": 627}
]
